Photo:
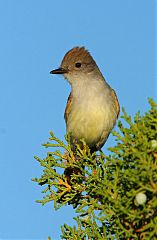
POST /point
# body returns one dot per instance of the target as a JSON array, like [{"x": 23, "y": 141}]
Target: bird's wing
[
  {"x": 117, "y": 107},
  {"x": 68, "y": 107}
]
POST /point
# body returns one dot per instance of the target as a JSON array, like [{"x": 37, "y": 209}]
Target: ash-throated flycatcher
[{"x": 92, "y": 107}]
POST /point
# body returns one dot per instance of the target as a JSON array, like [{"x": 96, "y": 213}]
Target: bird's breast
[{"x": 90, "y": 116}]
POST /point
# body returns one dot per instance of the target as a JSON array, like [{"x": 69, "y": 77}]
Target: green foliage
[{"x": 115, "y": 196}]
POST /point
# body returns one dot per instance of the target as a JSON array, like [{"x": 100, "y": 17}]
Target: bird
[{"x": 92, "y": 106}]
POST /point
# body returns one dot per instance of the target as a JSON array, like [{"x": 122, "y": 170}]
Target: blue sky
[{"x": 35, "y": 35}]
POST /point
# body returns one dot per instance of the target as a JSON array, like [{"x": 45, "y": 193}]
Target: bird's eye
[{"x": 78, "y": 64}]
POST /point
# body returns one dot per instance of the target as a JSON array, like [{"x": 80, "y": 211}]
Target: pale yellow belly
[{"x": 89, "y": 125}]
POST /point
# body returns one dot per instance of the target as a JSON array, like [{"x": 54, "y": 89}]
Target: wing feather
[{"x": 68, "y": 107}]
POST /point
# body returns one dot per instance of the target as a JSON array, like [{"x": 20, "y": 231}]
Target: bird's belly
[{"x": 89, "y": 123}]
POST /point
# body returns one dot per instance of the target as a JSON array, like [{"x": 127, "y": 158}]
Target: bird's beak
[{"x": 59, "y": 71}]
